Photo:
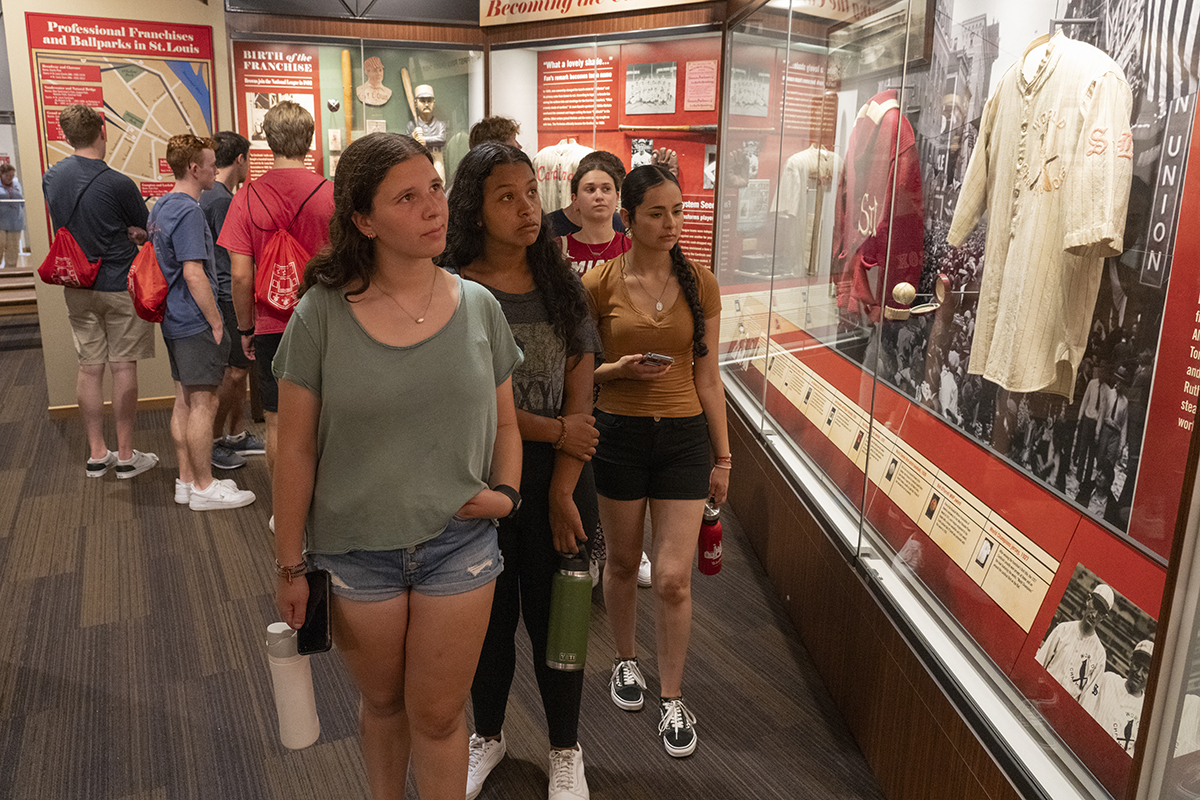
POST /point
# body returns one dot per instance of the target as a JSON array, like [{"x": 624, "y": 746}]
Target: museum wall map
[{"x": 150, "y": 81}]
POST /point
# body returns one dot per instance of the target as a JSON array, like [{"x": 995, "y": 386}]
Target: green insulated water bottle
[{"x": 570, "y": 611}]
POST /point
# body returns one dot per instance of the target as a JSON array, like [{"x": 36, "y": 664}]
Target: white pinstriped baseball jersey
[
  {"x": 1074, "y": 660},
  {"x": 1052, "y": 167},
  {"x": 1117, "y": 711}
]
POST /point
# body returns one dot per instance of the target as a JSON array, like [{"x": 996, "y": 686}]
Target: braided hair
[
  {"x": 633, "y": 192},
  {"x": 562, "y": 294}
]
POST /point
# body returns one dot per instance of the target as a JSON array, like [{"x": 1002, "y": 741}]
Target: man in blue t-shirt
[
  {"x": 106, "y": 214},
  {"x": 197, "y": 342},
  {"x": 229, "y": 449}
]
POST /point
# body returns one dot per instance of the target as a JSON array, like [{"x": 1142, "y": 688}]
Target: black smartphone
[
  {"x": 657, "y": 359},
  {"x": 315, "y": 635}
]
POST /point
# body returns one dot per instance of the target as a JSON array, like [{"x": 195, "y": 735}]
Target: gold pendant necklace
[
  {"x": 428, "y": 302},
  {"x": 658, "y": 306}
]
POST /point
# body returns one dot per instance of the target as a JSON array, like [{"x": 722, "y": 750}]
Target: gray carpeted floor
[{"x": 133, "y": 668}]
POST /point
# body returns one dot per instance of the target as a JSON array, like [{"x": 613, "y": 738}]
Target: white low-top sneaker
[
  {"x": 567, "y": 781},
  {"x": 138, "y": 463},
  {"x": 218, "y": 495},
  {"x": 484, "y": 755}
]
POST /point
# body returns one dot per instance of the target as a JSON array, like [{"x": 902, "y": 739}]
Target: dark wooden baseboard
[
  {"x": 65, "y": 412},
  {"x": 914, "y": 739}
]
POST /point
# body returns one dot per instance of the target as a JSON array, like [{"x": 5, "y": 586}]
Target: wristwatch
[{"x": 511, "y": 494}]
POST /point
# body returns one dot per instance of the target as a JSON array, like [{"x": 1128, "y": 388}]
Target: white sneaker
[
  {"x": 183, "y": 491},
  {"x": 644, "y": 570},
  {"x": 271, "y": 523},
  {"x": 218, "y": 495},
  {"x": 484, "y": 755},
  {"x": 98, "y": 469},
  {"x": 138, "y": 463},
  {"x": 567, "y": 781},
  {"x": 594, "y": 571}
]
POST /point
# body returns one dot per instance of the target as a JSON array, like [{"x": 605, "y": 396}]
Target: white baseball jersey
[
  {"x": 1117, "y": 711},
  {"x": 806, "y": 190},
  {"x": 1072, "y": 659},
  {"x": 1052, "y": 167},
  {"x": 554, "y": 166}
]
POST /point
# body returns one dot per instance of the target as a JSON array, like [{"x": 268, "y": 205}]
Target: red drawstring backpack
[
  {"x": 147, "y": 286},
  {"x": 66, "y": 264},
  {"x": 278, "y": 276}
]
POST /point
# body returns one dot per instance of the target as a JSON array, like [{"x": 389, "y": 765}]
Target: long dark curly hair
[
  {"x": 633, "y": 192},
  {"x": 562, "y": 293},
  {"x": 349, "y": 258}
]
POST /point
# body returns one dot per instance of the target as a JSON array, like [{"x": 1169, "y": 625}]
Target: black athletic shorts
[{"x": 665, "y": 459}]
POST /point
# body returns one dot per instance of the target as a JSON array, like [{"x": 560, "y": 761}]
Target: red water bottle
[{"x": 710, "y": 540}]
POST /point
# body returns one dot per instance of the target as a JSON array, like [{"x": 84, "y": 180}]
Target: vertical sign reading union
[
  {"x": 1164, "y": 212},
  {"x": 149, "y": 80}
]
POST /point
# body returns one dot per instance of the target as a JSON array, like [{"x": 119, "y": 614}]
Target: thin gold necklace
[
  {"x": 658, "y": 306},
  {"x": 418, "y": 320},
  {"x": 588, "y": 246}
]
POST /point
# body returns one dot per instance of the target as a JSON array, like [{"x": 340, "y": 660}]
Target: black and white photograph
[
  {"x": 749, "y": 92},
  {"x": 640, "y": 151},
  {"x": 650, "y": 88},
  {"x": 985, "y": 550},
  {"x": 891, "y": 470},
  {"x": 259, "y": 103},
  {"x": 710, "y": 166},
  {"x": 754, "y": 203},
  {"x": 1098, "y": 648}
]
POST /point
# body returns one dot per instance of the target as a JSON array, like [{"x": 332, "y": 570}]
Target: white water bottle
[{"x": 291, "y": 677}]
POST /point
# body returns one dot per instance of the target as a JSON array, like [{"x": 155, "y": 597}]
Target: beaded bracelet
[
  {"x": 294, "y": 571},
  {"x": 562, "y": 438}
]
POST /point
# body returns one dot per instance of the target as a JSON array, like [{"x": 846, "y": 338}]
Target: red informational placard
[
  {"x": 1176, "y": 389},
  {"x": 264, "y": 74},
  {"x": 809, "y": 103},
  {"x": 697, "y": 237},
  {"x": 126, "y": 37},
  {"x": 156, "y": 188},
  {"x": 149, "y": 80},
  {"x": 78, "y": 73},
  {"x": 577, "y": 88},
  {"x": 56, "y": 94}
]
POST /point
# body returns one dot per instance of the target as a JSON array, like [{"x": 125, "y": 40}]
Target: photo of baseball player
[
  {"x": 1115, "y": 701},
  {"x": 1073, "y": 653}
]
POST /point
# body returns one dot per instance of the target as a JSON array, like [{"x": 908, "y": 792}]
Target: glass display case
[
  {"x": 956, "y": 307},
  {"x": 353, "y": 87}
]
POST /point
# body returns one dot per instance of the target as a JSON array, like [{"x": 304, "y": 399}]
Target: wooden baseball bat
[
  {"x": 347, "y": 95},
  {"x": 408, "y": 92}
]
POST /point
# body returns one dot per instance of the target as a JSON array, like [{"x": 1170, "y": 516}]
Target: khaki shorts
[{"x": 106, "y": 328}]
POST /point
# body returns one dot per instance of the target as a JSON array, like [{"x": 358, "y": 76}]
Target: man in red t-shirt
[{"x": 288, "y": 197}]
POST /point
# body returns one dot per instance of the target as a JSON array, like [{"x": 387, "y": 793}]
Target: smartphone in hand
[
  {"x": 315, "y": 635},
  {"x": 657, "y": 359}
]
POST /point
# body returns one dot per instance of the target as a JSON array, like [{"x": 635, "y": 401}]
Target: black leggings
[{"x": 530, "y": 562}]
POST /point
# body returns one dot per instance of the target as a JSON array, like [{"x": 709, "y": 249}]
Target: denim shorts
[
  {"x": 460, "y": 559},
  {"x": 665, "y": 459}
]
